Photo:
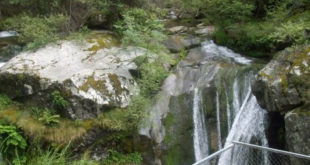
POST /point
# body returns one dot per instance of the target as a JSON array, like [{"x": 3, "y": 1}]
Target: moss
[
  {"x": 302, "y": 111},
  {"x": 116, "y": 84},
  {"x": 265, "y": 75},
  {"x": 173, "y": 156},
  {"x": 169, "y": 121},
  {"x": 98, "y": 85},
  {"x": 284, "y": 83},
  {"x": 101, "y": 40}
]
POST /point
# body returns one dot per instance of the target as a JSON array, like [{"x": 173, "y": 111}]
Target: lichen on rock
[{"x": 92, "y": 83}]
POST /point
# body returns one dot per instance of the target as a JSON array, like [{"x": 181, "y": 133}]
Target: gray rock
[
  {"x": 178, "y": 43},
  {"x": 177, "y": 29},
  {"x": 283, "y": 86},
  {"x": 91, "y": 80},
  {"x": 205, "y": 30},
  {"x": 275, "y": 86},
  {"x": 297, "y": 126}
]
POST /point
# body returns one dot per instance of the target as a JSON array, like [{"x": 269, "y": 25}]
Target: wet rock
[{"x": 90, "y": 77}]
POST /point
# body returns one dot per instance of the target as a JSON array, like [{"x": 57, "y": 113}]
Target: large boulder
[
  {"x": 282, "y": 84},
  {"x": 297, "y": 124},
  {"x": 85, "y": 78},
  {"x": 283, "y": 87}
]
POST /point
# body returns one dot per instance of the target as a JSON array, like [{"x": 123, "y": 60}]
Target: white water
[
  {"x": 200, "y": 131},
  {"x": 213, "y": 50},
  {"x": 236, "y": 102},
  {"x": 2, "y": 64},
  {"x": 218, "y": 122},
  {"x": 248, "y": 118},
  {"x": 5, "y": 34},
  {"x": 228, "y": 112},
  {"x": 248, "y": 123}
]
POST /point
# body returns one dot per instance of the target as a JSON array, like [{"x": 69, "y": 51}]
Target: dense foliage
[{"x": 255, "y": 27}]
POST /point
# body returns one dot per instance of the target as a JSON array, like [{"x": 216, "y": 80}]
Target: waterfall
[
  {"x": 2, "y": 64},
  {"x": 200, "y": 132},
  {"x": 228, "y": 112},
  {"x": 218, "y": 122},
  {"x": 248, "y": 124},
  {"x": 245, "y": 118}
]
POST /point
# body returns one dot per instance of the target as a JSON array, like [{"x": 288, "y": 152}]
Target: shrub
[
  {"x": 59, "y": 101},
  {"x": 141, "y": 28},
  {"x": 152, "y": 76},
  {"x": 12, "y": 145},
  {"x": 36, "y": 31},
  {"x": 5, "y": 101},
  {"x": 290, "y": 32}
]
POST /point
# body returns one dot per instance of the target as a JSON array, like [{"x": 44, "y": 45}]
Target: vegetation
[
  {"x": 253, "y": 27},
  {"x": 59, "y": 101},
  {"x": 49, "y": 119},
  {"x": 12, "y": 145},
  {"x": 141, "y": 28},
  {"x": 119, "y": 158}
]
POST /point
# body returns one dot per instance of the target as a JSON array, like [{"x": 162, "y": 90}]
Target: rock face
[
  {"x": 283, "y": 86},
  {"x": 91, "y": 76}
]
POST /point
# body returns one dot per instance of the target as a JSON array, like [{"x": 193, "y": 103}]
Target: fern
[
  {"x": 49, "y": 119},
  {"x": 12, "y": 144}
]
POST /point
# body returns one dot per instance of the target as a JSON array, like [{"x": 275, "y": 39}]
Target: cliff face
[{"x": 283, "y": 86}]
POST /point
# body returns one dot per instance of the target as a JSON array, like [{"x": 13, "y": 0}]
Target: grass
[{"x": 61, "y": 134}]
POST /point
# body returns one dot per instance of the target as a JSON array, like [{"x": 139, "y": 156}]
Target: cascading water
[
  {"x": 2, "y": 64},
  {"x": 241, "y": 106},
  {"x": 228, "y": 112},
  {"x": 200, "y": 132},
  {"x": 218, "y": 120},
  {"x": 207, "y": 99},
  {"x": 248, "y": 124}
]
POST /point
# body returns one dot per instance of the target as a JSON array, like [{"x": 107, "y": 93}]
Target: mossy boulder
[
  {"x": 92, "y": 76},
  {"x": 283, "y": 86}
]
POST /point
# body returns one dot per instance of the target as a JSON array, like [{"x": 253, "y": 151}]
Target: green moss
[
  {"x": 173, "y": 157},
  {"x": 116, "y": 84},
  {"x": 265, "y": 75},
  {"x": 284, "y": 83},
  {"x": 302, "y": 111},
  {"x": 169, "y": 121},
  {"x": 98, "y": 85},
  {"x": 101, "y": 40}
]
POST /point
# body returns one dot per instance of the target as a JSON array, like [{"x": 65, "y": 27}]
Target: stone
[
  {"x": 279, "y": 86},
  {"x": 178, "y": 43},
  {"x": 297, "y": 126},
  {"x": 282, "y": 86},
  {"x": 90, "y": 80},
  {"x": 205, "y": 30},
  {"x": 177, "y": 29}
]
